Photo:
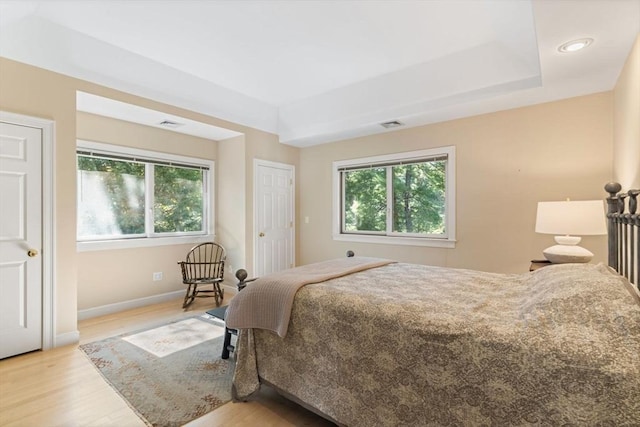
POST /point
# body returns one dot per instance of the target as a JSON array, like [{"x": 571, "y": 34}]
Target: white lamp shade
[{"x": 581, "y": 218}]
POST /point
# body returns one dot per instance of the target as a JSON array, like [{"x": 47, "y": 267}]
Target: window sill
[
  {"x": 406, "y": 241},
  {"x": 145, "y": 242}
]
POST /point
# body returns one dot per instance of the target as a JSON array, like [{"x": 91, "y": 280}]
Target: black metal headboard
[{"x": 624, "y": 230}]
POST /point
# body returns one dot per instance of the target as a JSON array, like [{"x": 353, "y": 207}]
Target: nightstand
[{"x": 538, "y": 263}]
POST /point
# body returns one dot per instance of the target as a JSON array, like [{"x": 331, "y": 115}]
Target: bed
[{"x": 402, "y": 344}]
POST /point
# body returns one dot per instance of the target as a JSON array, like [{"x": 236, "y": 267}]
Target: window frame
[
  {"x": 448, "y": 240},
  {"x": 150, "y": 238}
]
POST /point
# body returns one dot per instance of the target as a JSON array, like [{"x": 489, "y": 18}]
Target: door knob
[
  {"x": 261, "y": 234},
  {"x": 32, "y": 252}
]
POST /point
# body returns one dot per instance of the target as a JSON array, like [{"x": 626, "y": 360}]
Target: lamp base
[{"x": 563, "y": 254}]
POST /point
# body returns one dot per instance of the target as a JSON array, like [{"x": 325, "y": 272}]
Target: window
[
  {"x": 128, "y": 194},
  {"x": 404, "y": 198}
]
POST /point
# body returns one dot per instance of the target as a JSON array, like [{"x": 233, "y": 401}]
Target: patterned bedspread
[
  {"x": 412, "y": 345},
  {"x": 267, "y": 303}
]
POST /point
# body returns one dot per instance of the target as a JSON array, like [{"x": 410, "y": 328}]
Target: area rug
[{"x": 170, "y": 374}]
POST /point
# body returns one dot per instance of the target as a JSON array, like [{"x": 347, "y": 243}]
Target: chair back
[{"x": 204, "y": 262}]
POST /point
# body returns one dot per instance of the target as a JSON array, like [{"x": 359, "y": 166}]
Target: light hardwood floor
[{"x": 60, "y": 387}]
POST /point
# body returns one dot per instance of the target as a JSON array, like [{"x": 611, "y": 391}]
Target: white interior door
[
  {"x": 274, "y": 223},
  {"x": 20, "y": 239}
]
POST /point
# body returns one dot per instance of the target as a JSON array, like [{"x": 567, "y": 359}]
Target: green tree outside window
[
  {"x": 417, "y": 199},
  {"x": 177, "y": 199},
  {"x": 112, "y": 198}
]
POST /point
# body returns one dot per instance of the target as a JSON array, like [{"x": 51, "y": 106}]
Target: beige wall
[
  {"x": 96, "y": 128},
  {"x": 33, "y": 91},
  {"x": 112, "y": 276},
  {"x": 232, "y": 212},
  {"x": 626, "y": 135},
  {"x": 506, "y": 163},
  {"x": 120, "y": 275}
]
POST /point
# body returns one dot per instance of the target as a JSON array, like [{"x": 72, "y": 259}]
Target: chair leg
[
  {"x": 218, "y": 293},
  {"x": 190, "y": 295}
]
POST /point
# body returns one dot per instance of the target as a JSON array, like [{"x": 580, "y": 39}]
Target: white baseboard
[
  {"x": 134, "y": 303},
  {"x": 127, "y": 305},
  {"x": 67, "y": 338}
]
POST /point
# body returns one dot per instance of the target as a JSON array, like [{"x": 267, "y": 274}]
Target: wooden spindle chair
[{"x": 203, "y": 265}]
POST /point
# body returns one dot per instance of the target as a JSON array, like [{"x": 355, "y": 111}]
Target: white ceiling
[
  {"x": 319, "y": 71},
  {"x": 102, "y": 106}
]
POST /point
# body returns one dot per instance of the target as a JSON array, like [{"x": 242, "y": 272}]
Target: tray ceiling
[{"x": 320, "y": 71}]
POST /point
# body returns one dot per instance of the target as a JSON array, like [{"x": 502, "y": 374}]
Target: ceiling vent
[
  {"x": 392, "y": 124},
  {"x": 170, "y": 124}
]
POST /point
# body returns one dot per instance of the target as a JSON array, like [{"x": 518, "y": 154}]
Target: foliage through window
[
  {"x": 402, "y": 195},
  {"x": 131, "y": 197},
  {"x": 178, "y": 204}
]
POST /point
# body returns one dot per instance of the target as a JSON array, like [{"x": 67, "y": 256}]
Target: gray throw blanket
[{"x": 266, "y": 303}]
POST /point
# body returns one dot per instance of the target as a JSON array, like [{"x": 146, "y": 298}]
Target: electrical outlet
[{"x": 157, "y": 276}]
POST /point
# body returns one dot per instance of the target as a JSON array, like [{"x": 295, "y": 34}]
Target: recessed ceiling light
[
  {"x": 575, "y": 45},
  {"x": 392, "y": 124}
]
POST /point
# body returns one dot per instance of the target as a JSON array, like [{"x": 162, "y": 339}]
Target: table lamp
[{"x": 568, "y": 220}]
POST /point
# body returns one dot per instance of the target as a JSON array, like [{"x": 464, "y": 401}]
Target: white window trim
[
  {"x": 445, "y": 242},
  {"x": 151, "y": 241},
  {"x": 144, "y": 242}
]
